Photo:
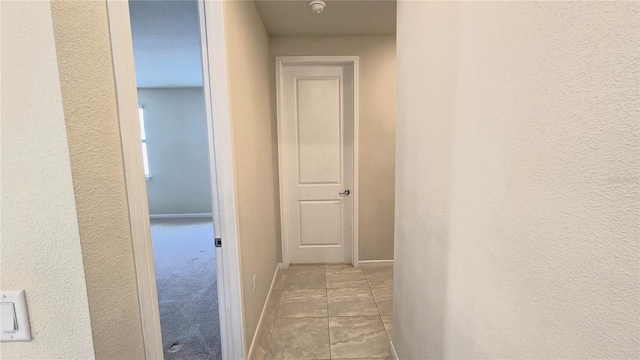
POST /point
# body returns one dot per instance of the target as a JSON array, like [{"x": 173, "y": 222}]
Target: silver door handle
[{"x": 345, "y": 193}]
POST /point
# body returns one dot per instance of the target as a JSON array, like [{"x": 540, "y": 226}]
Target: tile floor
[{"x": 328, "y": 312}]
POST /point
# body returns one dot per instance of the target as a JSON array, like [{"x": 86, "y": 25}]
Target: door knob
[{"x": 345, "y": 193}]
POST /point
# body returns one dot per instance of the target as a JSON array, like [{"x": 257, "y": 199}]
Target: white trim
[
  {"x": 181, "y": 216},
  {"x": 215, "y": 86},
  {"x": 356, "y": 161},
  {"x": 220, "y": 135},
  {"x": 392, "y": 349},
  {"x": 264, "y": 310},
  {"x": 375, "y": 263},
  {"x": 292, "y": 60},
  {"x": 124, "y": 74}
]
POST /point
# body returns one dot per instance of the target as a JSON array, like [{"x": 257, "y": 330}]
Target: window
[{"x": 143, "y": 138}]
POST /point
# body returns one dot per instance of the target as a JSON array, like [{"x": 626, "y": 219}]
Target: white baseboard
[
  {"x": 375, "y": 263},
  {"x": 181, "y": 216},
  {"x": 264, "y": 310},
  {"x": 394, "y": 354}
]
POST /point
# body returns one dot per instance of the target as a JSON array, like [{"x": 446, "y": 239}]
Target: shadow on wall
[{"x": 423, "y": 217}]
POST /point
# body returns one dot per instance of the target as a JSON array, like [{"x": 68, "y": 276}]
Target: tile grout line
[
  {"x": 375, "y": 302},
  {"x": 379, "y": 314},
  {"x": 328, "y": 316},
  {"x": 327, "y": 293}
]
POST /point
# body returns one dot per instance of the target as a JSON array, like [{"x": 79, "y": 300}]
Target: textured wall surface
[
  {"x": 40, "y": 244},
  {"x": 176, "y": 127},
  {"x": 89, "y": 100},
  {"x": 377, "y": 127},
  {"x": 248, "y": 56},
  {"x": 518, "y": 194}
]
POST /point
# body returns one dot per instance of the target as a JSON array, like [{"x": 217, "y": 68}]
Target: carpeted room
[{"x": 166, "y": 44}]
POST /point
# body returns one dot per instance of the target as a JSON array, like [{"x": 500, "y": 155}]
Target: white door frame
[
  {"x": 282, "y": 61},
  {"x": 215, "y": 86}
]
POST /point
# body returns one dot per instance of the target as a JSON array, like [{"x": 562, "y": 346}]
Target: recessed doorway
[{"x": 317, "y": 127}]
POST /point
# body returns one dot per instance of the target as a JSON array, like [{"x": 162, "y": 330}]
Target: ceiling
[
  {"x": 340, "y": 17},
  {"x": 166, "y": 34},
  {"x": 166, "y": 43}
]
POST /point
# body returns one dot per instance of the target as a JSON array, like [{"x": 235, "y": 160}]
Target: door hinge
[{"x": 218, "y": 242}]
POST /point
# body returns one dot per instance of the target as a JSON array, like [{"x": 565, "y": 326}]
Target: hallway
[{"x": 328, "y": 312}]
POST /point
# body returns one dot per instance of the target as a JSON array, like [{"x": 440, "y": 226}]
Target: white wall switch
[
  {"x": 8, "y": 317},
  {"x": 14, "y": 318}
]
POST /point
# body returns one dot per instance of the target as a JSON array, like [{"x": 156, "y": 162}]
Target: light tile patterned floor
[{"x": 328, "y": 312}]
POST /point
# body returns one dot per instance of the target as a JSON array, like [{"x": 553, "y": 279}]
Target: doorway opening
[
  {"x": 318, "y": 158},
  {"x": 212, "y": 48},
  {"x": 173, "y": 137},
  {"x": 241, "y": 42}
]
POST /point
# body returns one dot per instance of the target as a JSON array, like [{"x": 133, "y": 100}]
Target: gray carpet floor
[{"x": 185, "y": 264}]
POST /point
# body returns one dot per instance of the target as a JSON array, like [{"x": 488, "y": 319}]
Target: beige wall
[
  {"x": 517, "y": 180},
  {"x": 40, "y": 244},
  {"x": 88, "y": 94},
  {"x": 377, "y": 127},
  {"x": 248, "y": 57}
]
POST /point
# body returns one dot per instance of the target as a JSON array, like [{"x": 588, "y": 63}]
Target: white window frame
[{"x": 143, "y": 140}]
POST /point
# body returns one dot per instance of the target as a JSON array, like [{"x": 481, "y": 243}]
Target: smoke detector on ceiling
[{"x": 317, "y": 6}]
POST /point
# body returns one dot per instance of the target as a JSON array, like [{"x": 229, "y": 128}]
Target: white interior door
[{"x": 316, "y": 126}]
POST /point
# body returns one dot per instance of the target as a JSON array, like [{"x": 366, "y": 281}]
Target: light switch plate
[{"x": 19, "y": 301}]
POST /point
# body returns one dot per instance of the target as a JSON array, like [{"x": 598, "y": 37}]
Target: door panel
[
  {"x": 320, "y": 223},
  {"x": 317, "y": 128}
]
